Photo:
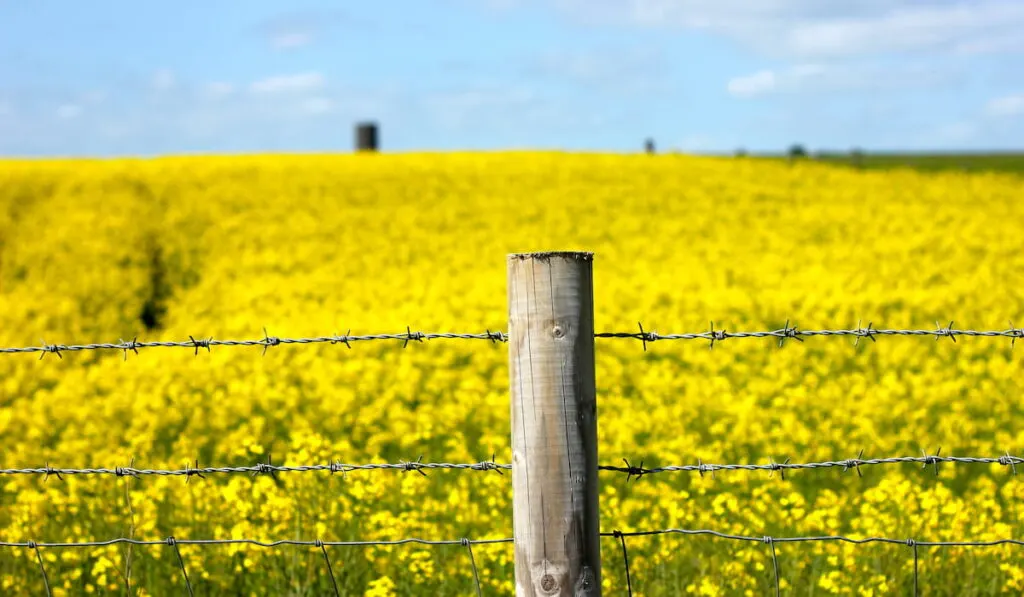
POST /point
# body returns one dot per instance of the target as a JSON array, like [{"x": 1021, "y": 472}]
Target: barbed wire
[
  {"x": 631, "y": 471},
  {"x": 266, "y": 342},
  {"x": 254, "y": 542},
  {"x": 260, "y": 468},
  {"x": 621, "y": 536},
  {"x": 644, "y": 336},
  {"x": 792, "y": 332},
  {"x": 702, "y": 468}
]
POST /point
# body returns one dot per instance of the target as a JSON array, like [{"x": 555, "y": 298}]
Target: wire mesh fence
[{"x": 621, "y": 536}]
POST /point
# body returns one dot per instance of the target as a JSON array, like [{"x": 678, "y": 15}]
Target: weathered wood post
[{"x": 554, "y": 424}]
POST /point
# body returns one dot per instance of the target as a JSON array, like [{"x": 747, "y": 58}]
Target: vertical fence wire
[
  {"x": 472, "y": 562},
  {"x": 42, "y": 569},
  {"x": 625, "y": 560},
  {"x": 775, "y": 566},
  {"x": 181, "y": 562},
  {"x": 330, "y": 569}
]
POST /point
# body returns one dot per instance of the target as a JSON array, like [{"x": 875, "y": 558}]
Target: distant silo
[{"x": 366, "y": 136}]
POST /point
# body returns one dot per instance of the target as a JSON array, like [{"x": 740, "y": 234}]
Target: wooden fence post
[{"x": 554, "y": 424}]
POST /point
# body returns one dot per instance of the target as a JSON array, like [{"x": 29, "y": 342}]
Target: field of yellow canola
[{"x": 165, "y": 249}]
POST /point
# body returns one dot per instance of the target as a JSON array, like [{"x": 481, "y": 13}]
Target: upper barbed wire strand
[
  {"x": 712, "y": 336},
  {"x": 631, "y": 471}
]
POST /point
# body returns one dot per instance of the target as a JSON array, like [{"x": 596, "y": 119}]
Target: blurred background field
[
  {"x": 223, "y": 247},
  {"x": 1006, "y": 162}
]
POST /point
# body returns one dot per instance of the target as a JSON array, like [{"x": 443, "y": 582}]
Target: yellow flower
[{"x": 309, "y": 246}]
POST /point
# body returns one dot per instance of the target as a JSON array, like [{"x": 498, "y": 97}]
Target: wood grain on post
[{"x": 554, "y": 424}]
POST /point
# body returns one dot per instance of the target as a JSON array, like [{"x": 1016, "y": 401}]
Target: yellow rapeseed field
[{"x": 223, "y": 247}]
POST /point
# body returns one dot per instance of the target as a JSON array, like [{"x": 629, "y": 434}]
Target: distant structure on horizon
[{"x": 366, "y": 136}]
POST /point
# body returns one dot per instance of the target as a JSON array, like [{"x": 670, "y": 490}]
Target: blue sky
[{"x": 112, "y": 77}]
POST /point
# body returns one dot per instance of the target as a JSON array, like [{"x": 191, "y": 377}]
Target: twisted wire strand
[
  {"x": 818, "y": 538},
  {"x": 266, "y": 342},
  {"x": 253, "y": 542},
  {"x": 644, "y": 336},
  {"x": 630, "y": 470},
  {"x": 617, "y": 534},
  {"x": 620, "y": 536},
  {"x": 850, "y": 463},
  {"x": 261, "y": 468},
  {"x": 792, "y": 332}
]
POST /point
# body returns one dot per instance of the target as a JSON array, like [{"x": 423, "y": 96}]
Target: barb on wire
[
  {"x": 266, "y": 468},
  {"x": 188, "y": 472},
  {"x": 934, "y": 460},
  {"x": 863, "y": 333},
  {"x": 781, "y": 467},
  {"x": 268, "y": 341},
  {"x": 777, "y": 466},
  {"x": 132, "y": 346},
  {"x": 54, "y": 348},
  {"x": 633, "y": 471}
]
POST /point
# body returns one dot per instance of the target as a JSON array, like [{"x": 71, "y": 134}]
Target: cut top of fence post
[
  {"x": 554, "y": 424},
  {"x": 547, "y": 255}
]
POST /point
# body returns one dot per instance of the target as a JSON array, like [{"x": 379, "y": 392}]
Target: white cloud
[
  {"x": 819, "y": 29},
  {"x": 636, "y": 70},
  {"x": 310, "y": 81},
  {"x": 795, "y": 78},
  {"x": 68, "y": 111},
  {"x": 957, "y": 131},
  {"x": 759, "y": 83},
  {"x": 1012, "y": 43},
  {"x": 291, "y": 39},
  {"x": 941, "y": 27},
  {"x": 316, "y": 105},
  {"x": 459, "y": 109},
  {"x": 696, "y": 144},
  {"x": 94, "y": 97},
  {"x": 1008, "y": 105},
  {"x": 217, "y": 90},
  {"x": 819, "y": 78},
  {"x": 163, "y": 80}
]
